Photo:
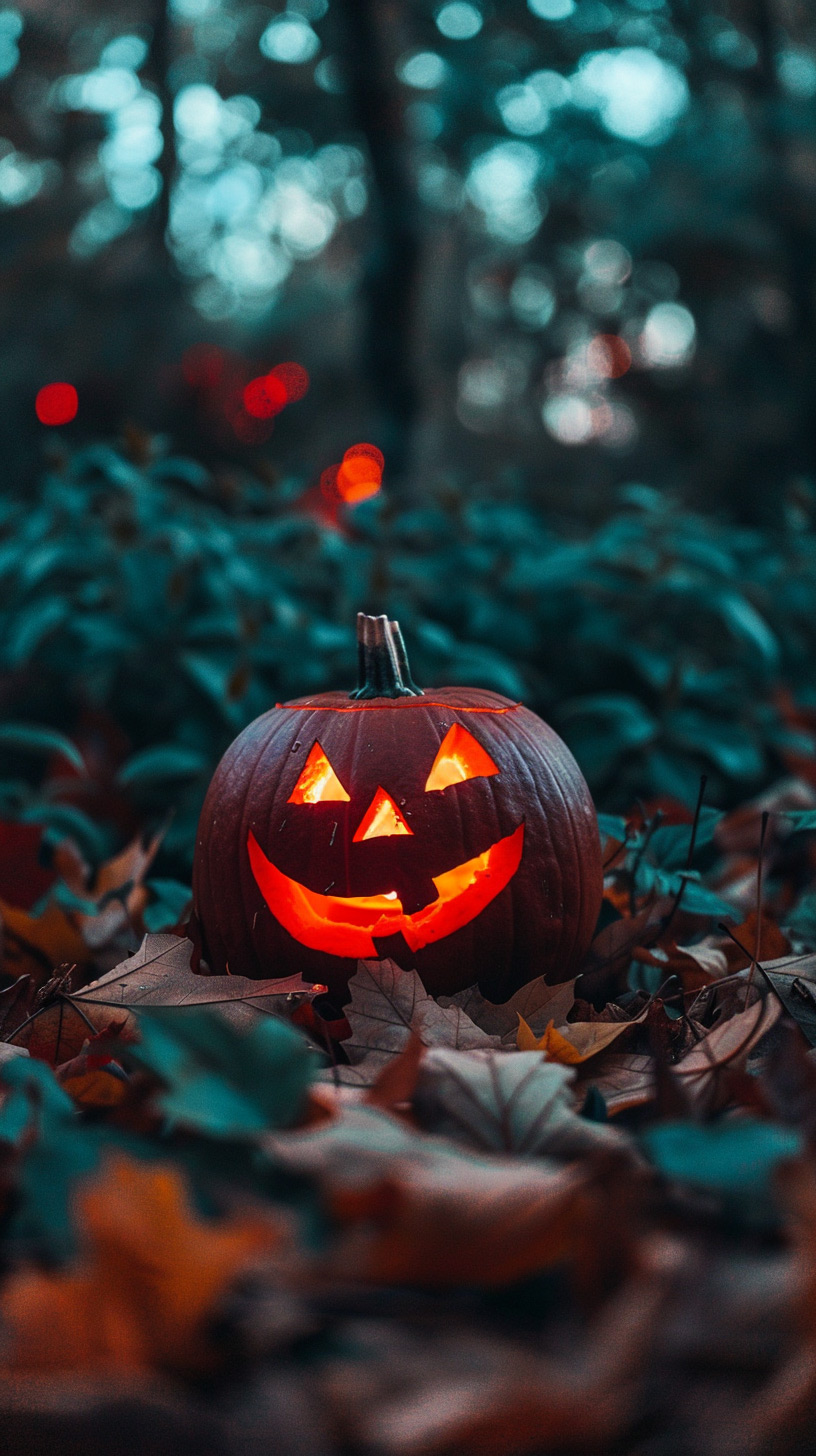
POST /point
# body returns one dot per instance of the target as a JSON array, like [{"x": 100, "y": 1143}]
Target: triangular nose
[{"x": 381, "y": 817}]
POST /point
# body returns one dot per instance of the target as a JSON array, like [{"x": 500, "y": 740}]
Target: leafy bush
[{"x": 174, "y": 605}]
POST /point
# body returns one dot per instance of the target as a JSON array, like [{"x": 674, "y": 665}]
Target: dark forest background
[{"x": 555, "y": 259}]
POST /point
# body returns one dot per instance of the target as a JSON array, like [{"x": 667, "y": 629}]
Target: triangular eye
[
  {"x": 460, "y": 757},
  {"x": 382, "y": 817},
  {"x": 318, "y": 783}
]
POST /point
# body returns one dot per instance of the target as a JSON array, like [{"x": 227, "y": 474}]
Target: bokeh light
[
  {"x": 56, "y": 404},
  {"x": 358, "y": 476},
  {"x": 459, "y": 20},
  {"x": 608, "y": 356},
  {"x": 668, "y": 336},
  {"x": 293, "y": 378},
  {"x": 264, "y": 397}
]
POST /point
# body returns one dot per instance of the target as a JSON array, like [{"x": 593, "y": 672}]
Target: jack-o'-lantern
[{"x": 450, "y": 830}]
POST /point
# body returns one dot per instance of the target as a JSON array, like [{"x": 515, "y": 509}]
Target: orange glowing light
[
  {"x": 56, "y": 404},
  {"x": 264, "y": 397},
  {"x": 360, "y": 474},
  {"x": 381, "y": 818},
  {"x": 349, "y": 925},
  {"x": 318, "y": 783},
  {"x": 609, "y": 356},
  {"x": 460, "y": 757},
  {"x": 293, "y": 380}
]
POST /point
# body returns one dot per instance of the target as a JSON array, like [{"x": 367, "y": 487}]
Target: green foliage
[
  {"x": 219, "y": 1082},
  {"x": 654, "y": 642},
  {"x": 738, "y": 1156}
]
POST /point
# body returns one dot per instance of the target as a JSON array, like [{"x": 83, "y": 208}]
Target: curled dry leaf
[
  {"x": 577, "y": 1041},
  {"x": 730, "y": 1041}
]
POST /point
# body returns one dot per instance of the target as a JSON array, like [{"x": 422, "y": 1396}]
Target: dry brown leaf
[
  {"x": 577, "y": 1041},
  {"x": 417, "y": 1209},
  {"x": 159, "y": 974},
  {"x": 387, "y": 1005},
  {"x": 538, "y": 1002},
  {"x": 624, "y": 1079},
  {"x": 731, "y": 1040}
]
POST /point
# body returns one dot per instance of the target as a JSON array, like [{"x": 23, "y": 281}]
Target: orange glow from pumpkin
[
  {"x": 349, "y": 925},
  {"x": 318, "y": 783},
  {"x": 460, "y": 757},
  {"x": 381, "y": 818}
]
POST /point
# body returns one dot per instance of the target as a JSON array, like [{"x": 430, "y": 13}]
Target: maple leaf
[
  {"x": 150, "y": 1280},
  {"x": 160, "y": 975},
  {"x": 387, "y": 1005},
  {"x": 495, "y": 1101},
  {"x": 577, "y": 1041},
  {"x": 537, "y": 1002}
]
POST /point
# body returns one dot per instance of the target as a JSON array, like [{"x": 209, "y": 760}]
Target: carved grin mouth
[{"x": 348, "y": 925}]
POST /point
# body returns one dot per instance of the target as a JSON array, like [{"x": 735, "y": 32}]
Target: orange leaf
[
  {"x": 152, "y": 1276},
  {"x": 585, "y": 1039}
]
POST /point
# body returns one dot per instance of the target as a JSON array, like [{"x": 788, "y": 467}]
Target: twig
[{"x": 690, "y": 856}]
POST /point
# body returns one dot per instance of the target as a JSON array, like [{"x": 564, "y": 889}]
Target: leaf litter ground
[{"x": 237, "y": 1217}]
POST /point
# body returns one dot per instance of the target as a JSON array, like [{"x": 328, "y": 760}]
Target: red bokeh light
[
  {"x": 369, "y": 452},
  {"x": 56, "y": 404},
  {"x": 293, "y": 378},
  {"x": 264, "y": 397},
  {"x": 609, "y": 355},
  {"x": 360, "y": 474}
]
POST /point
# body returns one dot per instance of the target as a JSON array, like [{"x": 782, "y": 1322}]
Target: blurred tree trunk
[{"x": 392, "y": 267}]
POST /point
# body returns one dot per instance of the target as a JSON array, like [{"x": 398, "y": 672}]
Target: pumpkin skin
[{"x": 531, "y": 908}]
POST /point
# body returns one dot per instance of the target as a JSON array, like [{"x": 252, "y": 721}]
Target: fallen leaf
[
  {"x": 794, "y": 981},
  {"x": 577, "y": 1041},
  {"x": 220, "y": 1081},
  {"x": 624, "y": 1079},
  {"x": 418, "y": 1210},
  {"x": 730, "y": 1040},
  {"x": 397, "y": 1080},
  {"x": 387, "y": 1005},
  {"x": 538, "y": 1002},
  {"x": 468, "y": 1391},
  {"x": 159, "y": 974},
  {"x": 500, "y": 1102},
  {"x": 151, "y": 1278}
]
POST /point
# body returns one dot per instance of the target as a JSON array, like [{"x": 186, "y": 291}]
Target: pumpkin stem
[{"x": 383, "y": 661}]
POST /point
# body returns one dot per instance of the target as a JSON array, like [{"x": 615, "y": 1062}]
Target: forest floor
[{"x": 236, "y": 1218}]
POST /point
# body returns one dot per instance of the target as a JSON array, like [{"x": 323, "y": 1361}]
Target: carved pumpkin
[{"x": 450, "y": 830}]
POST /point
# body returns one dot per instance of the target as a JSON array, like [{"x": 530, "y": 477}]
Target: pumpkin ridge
[{"x": 578, "y": 786}]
